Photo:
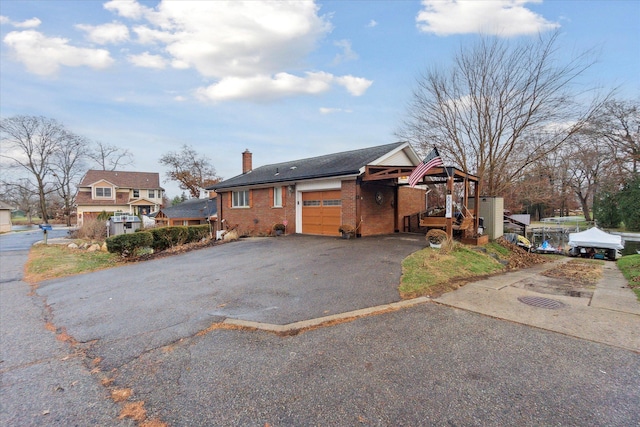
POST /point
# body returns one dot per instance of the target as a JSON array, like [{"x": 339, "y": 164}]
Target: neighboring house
[
  {"x": 130, "y": 193},
  {"x": 189, "y": 212},
  {"x": 362, "y": 188},
  {"x": 5, "y": 217}
]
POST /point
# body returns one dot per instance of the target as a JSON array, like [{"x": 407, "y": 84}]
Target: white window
[
  {"x": 136, "y": 193},
  {"x": 277, "y": 197},
  {"x": 152, "y": 194},
  {"x": 241, "y": 199},
  {"x": 103, "y": 191}
]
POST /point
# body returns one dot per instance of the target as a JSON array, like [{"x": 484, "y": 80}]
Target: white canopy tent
[{"x": 595, "y": 238}]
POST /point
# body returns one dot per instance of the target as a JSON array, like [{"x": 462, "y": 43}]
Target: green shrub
[
  {"x": 167, "y": 237},
  {"x": 129, "y": 244},
  {"x": 198, "y": 232}
]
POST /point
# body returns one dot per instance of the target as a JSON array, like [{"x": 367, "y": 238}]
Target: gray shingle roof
[
  {"x": 192, "y": 208},
  {"x": 330, "y": 165}
]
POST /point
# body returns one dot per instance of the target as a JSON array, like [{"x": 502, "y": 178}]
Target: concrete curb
[{"x": 297, "y": 327}]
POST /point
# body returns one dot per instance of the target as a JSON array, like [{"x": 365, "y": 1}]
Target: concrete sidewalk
[{"x": 611, "y": 316}]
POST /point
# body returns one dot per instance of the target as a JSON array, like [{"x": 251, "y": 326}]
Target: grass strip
[
  {"x": 431, "y": 272},
  {"x": 630, "y": 267},
  {"x": 52, "y": 261}
]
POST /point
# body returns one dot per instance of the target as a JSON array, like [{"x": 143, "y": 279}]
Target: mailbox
[{"x": 45, "y": 228}]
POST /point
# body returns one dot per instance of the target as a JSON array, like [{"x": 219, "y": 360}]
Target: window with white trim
[
  {"x": 103, "y": 191},
  {"x": 241, "y": 199},
  {"x": 277, "y": 197},
  {"x": 152, "y": 194},
  {"x": 136, "y": 193}
]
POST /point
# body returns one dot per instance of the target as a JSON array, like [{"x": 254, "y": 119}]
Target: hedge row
[
  {"x": 167, "y": 237},
  {"x": 157, "y": 238},
  {"x": 129, "y": 244}
]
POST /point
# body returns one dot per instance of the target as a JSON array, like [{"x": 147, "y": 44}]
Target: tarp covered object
[{"x": 595, "y": 238}]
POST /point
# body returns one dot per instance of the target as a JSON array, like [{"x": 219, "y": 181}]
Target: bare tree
[
  {"x": 110, "y": 157},
  {"x": 588, "y": 164},
  {"x": 29, "y": 144},
  {"x": 22, "y": 194},
  {"x": 500, "y": 107},
  {"x": 620, "y": 126},
  {"x": 192, "y": 170},
  {"x": 67, "y": 170}
]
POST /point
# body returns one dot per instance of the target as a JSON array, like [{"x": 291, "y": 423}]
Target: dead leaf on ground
[
  {"x": 121, "y": 394},
  {"x": 134, "y": 410}
]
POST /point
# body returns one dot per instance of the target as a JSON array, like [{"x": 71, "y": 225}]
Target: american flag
[{"x": 432, "y": 160}]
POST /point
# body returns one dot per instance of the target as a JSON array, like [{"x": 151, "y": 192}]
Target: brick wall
[
  {"x": 349, "y": 203},
  {"x": 259, "y": 218},
  {"x": 411, "y": 201},
  {"x": 376, "y": 218}
]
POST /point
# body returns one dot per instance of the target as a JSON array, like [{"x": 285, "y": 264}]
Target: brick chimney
[{"x": 246, "y": 161}]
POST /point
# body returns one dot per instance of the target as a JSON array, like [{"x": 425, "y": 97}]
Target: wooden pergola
[{"x": 445, "y": 175}]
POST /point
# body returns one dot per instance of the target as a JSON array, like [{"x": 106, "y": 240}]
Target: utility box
[
  {"x": 123, "y": 224},
  {"x": 492, "y": 211}
]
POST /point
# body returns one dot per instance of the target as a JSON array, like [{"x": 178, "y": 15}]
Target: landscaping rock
[
  {"x": 103, "y": 248},
  {"x": 72, "y": 246},
  {"x": 93, "y": 248}
]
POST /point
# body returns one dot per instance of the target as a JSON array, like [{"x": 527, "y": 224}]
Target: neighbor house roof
[
  {"x": 330, "y": 165},
  {"x": 192, "y": 208},
  {"x": 122, "y": 179},
  {"x": 5, "y": 206}
]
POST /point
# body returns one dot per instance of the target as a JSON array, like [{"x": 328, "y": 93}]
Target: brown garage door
[{"x": 321, "y": 212}]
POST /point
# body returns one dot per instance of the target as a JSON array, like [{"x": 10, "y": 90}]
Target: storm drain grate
[{"x": 541, "y": 302}]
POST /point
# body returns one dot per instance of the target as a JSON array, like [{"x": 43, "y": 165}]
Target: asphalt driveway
[
  {"x": 145, "y": 329},
  {"x": 145, "y": 305}
]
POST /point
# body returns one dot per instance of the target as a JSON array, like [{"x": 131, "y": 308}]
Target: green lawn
[
  {"x": 51, "y": 261},
  {"x": 431, "y": 272},
  {"x": 630, "y": 267}
]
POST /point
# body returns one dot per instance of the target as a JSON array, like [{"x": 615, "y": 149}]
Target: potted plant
[
  {"x": 436, "y": 237},
  {"x": 279, "y": 229},
  {"x": 348, "y": 231}
]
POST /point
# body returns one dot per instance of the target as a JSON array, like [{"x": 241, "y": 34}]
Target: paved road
[
  {"x": 43, "y": 381},
  {"x": 22, "y": 240},
  {"x": 154, "y": 327}
]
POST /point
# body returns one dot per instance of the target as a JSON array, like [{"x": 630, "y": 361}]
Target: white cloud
[
  {"x": 250, "y": 49},
  {"x": 497, "y": 17},
  {"x": 356, "y": 86},
  {"x": 179, "y": 98},
  {"x": 265, "y": 87},
  {"x": 29, "y": 23},
  {"x": 372, "y": 23},
  {"x": 254, "y": 50},
  {"x": 326, "y": 110},
  {"x": 127, "y": 8},
  {"x": 347, "y": 53},
  {"x": 44, "y": 55},
  {"x": 147, "y": 60},
  {"x": 114, "y": 32}
]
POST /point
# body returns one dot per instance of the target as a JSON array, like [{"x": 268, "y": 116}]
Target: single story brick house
[
  {"x": 189, "y": 212},
  {"x": 362, "y": 188}
]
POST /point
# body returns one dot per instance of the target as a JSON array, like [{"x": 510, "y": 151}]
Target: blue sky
[{"x": 286, "y": 80}]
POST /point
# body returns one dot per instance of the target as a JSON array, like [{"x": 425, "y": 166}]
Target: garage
[{"x": 321, "y": 212}]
